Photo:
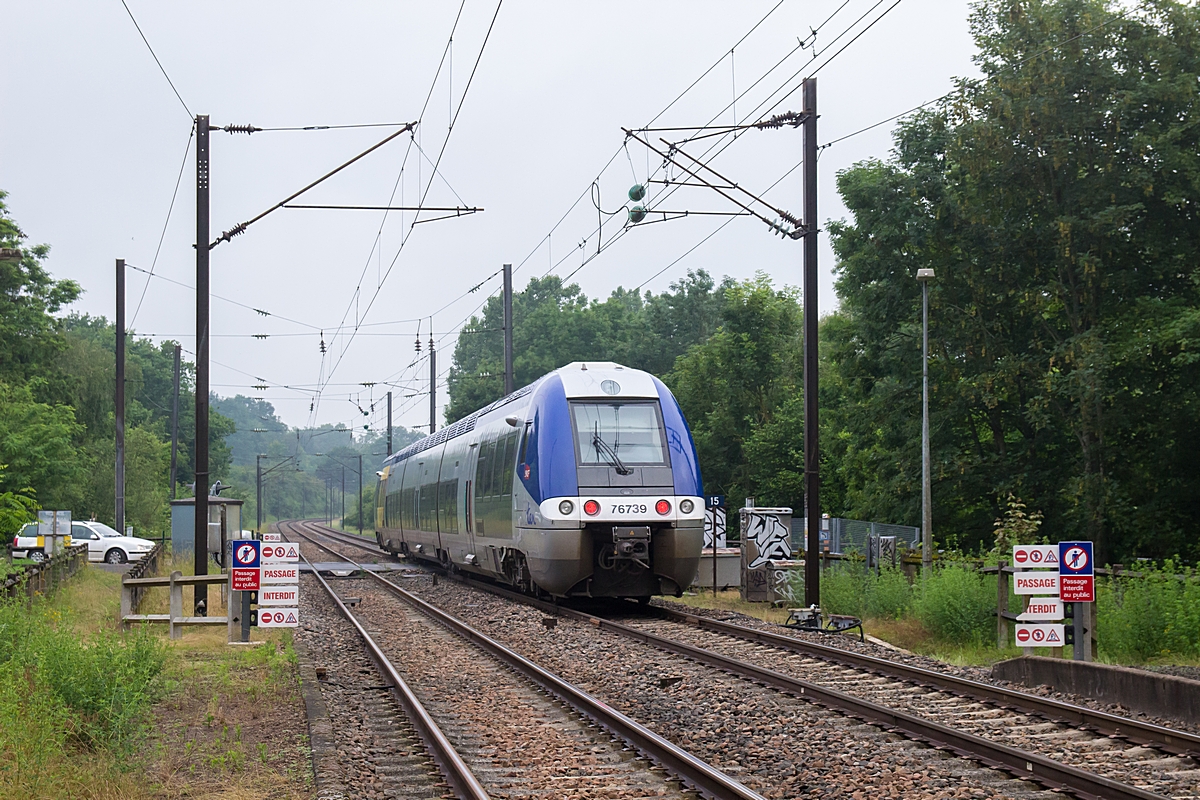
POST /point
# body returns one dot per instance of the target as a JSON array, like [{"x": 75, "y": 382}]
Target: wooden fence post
[
  {"x": 176, "y": 590},
  {"x": 126, "y": 602}
]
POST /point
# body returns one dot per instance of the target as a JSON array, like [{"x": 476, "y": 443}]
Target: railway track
[
  {"x": 1060, "y": 746},
  {"x": 522, "y": 730}
]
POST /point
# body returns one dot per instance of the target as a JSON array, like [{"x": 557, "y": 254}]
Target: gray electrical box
[{"x": 224, "y": 523}]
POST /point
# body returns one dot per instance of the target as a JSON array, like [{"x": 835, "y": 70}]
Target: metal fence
[{"x": 853, "y": 535}]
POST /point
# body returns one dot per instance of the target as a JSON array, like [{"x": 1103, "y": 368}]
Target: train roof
[{"x": 580, "y": 379}]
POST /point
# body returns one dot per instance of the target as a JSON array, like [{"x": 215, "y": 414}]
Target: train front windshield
[{"x": 624, "y": 433}]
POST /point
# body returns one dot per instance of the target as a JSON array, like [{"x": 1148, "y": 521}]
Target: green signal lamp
[
  {"x": 637, "y": 192},
  {"x": 637, "y": 214}
]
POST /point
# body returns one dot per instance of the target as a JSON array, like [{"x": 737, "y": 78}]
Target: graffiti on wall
[
  {"x": 770, "y": 537},
  {"x": 714, "y": 527}
]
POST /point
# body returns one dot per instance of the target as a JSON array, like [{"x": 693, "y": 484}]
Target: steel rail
[
  {"x": 694, "y": 772},
  {"x": 1170, "y": 740},
  {"x": 363, "y": 542},
  {"x": 1018, "y": 763},
  {"x": 466, "y": 786}
]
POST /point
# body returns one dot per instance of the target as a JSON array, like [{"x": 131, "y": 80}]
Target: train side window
[
  {"x": 506, "y": 471},
  {"x": 524, "y": 459}
]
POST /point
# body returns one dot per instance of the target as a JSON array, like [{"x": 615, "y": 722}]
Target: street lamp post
[{"x": 925, "y": 276}]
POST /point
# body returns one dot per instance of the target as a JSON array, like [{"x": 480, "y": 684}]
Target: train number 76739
[{"x": 630, "y": 509}]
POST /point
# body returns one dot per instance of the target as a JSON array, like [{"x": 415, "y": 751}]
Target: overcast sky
[{"x": 92, "y": 138}]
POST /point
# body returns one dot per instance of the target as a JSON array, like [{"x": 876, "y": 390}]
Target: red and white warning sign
[
  {"x": 272, "y": 537},
  {"x": 1036, "y": 556},
  {"x": 282, "y": 573},
  {"x": 279, "y": 595},
  {"x": 282, "y": 553},
  {"x": 282, "y": 617},
  {"x": 242, "y": 579},
  {"x": 1043, "y": 583},
  {"x": 1043, "y": 635}
]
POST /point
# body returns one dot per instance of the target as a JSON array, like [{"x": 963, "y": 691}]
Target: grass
[
  {"x": 731, "y": 600},
  {"x": 87, "y": 711}
]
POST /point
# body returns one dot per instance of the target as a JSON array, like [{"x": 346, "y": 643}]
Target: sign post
[
  {"x": 1040, "y": 625},
  {"x": 714, "y": 528},
  {"x": 244, "y": 577},
  {"x": 1077, "y": 579}
]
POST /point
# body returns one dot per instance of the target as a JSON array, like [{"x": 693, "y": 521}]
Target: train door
[{"x": 469, "y": 456}]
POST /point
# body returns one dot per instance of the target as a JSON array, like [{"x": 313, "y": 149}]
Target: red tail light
[
  {"x": 662, "y": 507},
  {"x": 591, "y": 508}
]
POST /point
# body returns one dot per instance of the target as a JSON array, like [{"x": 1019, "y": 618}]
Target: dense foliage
[{"x": 1057, "y": 202}]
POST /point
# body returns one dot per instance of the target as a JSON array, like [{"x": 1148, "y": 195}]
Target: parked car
[
  {"x": 104, "y": 543},
  {"x": 27, "y": 544}
]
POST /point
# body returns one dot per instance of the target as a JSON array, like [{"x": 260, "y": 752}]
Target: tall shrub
[{"x": 956, "y": 604}]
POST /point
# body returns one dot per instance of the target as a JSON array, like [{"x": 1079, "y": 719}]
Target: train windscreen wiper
[{"x": 606, "y": 450}]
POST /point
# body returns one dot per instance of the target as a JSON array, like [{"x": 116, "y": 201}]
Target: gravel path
[{"x": 776, "y": 744}]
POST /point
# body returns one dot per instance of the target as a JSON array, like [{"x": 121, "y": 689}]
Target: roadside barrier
[
  {"x": 147, "y": 565},
  {"x": 44, "y": 578}
]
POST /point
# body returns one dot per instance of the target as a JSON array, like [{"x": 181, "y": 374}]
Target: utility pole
[
  {"x": 812, "y": 451},
  {"x": 925, "y": 276},
  {"x": 432, "y": 386},
  {"x": 175, "y": 425},
  {"x": 201, "y": 446},
  {"x": 360, "y": 524},
  {"x": 508, "y": 331},
  {"x": 343, "y": 498},
  {"x": 258, "y": 492},
  {"x": 119, "y": 404},
  {"x": 389, "y": 435}
]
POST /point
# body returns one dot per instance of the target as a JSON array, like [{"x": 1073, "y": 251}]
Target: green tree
[
  {"x": 36, "y": 444},
  {"x": 29, "y": 334},
  {"x": 555, "y": 324},
  {"x": 1056, "y": 200},
  {"x": 739, "y": 391}
]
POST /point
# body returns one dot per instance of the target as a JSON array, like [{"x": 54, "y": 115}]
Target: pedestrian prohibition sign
[
  {"x": 245, "y": 553},
  {"x": 1075, "y": 558}
]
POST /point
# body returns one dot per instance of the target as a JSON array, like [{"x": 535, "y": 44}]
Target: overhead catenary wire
[
  {"x": 154, "y": 55},
  {"x": 971, "y": 82},
  {"x": 170, "y": 208},
  {"x": 429, "y": 184}
]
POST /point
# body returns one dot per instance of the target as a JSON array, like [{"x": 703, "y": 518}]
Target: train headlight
[
  {"x": 591, "y": 508},
  {"x": 686, "y": 506},
  {"x": 566, "y": 507},
  {"x": 662, "y": 507}
]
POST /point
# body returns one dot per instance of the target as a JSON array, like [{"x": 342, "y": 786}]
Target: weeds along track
[{"x": 520, "y": 730}]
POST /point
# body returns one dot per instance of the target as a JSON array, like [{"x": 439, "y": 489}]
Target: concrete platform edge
[
  {"x": 1152, "y": 693},
  {"x": 321, "y": 740}
]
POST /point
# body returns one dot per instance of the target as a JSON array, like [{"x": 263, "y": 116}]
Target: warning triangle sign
[
  {"x": 291, "y": 617},
  {"x": 1051, "y": 557},
  {"x": 1052, "y": 637}
]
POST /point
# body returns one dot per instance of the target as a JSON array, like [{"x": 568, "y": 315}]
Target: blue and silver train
[{"x": 584, "y": 483}]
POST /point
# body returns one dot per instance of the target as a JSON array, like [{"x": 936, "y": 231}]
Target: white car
[{"x": 104, "y": 543}]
